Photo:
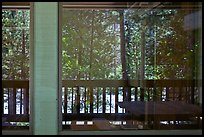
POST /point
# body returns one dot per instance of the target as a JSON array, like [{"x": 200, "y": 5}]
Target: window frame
[
  {"x": 19, "y": 6},
  {"x": 118, "y": 5},
  {"x": 26, "y": 5}
]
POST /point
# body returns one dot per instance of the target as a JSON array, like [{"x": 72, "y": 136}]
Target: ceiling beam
[{"x": 15, "y": 5}]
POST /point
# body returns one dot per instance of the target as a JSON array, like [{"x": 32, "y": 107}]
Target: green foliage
[
  {"x": 15, "y": 44},
  {"x": 169, "y": 49},
  {"x": 90, "y": 46}
]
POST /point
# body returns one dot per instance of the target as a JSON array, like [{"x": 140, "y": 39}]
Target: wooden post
[{"x": 44, "y": 78}]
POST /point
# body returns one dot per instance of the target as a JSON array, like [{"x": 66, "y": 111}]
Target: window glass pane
[
  {"x": 15, "y": 68},
  {"x": 133, "y": 66}
]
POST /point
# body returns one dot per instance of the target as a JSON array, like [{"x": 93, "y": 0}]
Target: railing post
[
  {"x": 104, "y": 100},
  {"x": 167, "y": 93},
  {"x": 136, "y": 92},
  {"x": 2, "y": 99},
  {"x": 12, "y": 103},
  {"x": 192, "y": 91},
  {"x": 155, "y": 91},
  {"x": 65, "y": 100},
  {"x": 129, "y": 93},
  {"x": 116, "y": 99},
  {"x": 91, "y": 99},
  {"x": 78, "y": 100},
  {"x": 141, "y": 94},
  {"x": 27, "y": 101}
]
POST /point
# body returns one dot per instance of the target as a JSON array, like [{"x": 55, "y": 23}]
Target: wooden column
[{"x": 44, "y": 68}]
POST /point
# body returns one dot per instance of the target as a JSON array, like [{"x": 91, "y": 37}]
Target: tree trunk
[
  {"x": 91, "y": 58},
  {"x": 91, "y": 44},
  {"x": 123, "y": 55}
]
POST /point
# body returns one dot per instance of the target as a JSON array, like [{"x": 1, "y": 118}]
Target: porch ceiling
[{"x": 113, "y": 4}]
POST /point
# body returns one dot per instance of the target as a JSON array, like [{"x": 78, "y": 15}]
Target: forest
[{"x": 108, "y": 44}]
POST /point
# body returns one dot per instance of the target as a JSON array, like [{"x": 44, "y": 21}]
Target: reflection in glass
[{"x": 139, "y": 53}]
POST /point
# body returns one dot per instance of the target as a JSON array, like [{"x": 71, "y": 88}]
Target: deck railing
[
  {"x": 15, "y": 104},
  {"x": 85, "y": 100}
]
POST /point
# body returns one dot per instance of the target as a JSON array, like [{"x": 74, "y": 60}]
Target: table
[{"x": 162, "y": 110}]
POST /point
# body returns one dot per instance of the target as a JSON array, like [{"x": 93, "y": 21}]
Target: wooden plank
[
  {"x": 2, "y": 99},
  {"x": 97, "y": 100},
  {"x": 21, "y": 101},
  {"x": 104, "y": 100},
  {"x": 15, "y": 83},
  {"x": 94, "y": 83},
  {"x": 90, "y": 116},
  {"x": 14, "y": 101},
  {"x": 85, "y": 100},
  {"x": 141, "y": 94},
  {"x": 15, "y": 3},
  {"x": 10, "y": 101},
  {"x": 110, "y": 98},
  {"x": 104, "y": 83},
  {"x": 27, "y": 101},
  {"x": 16, "y": 117},
  {"x": 116, "y": 99},
  {"x": 65, "y": 100},
  {"x": 72, "y": 106},
  {"x": 78, "y": 99},
  {"x": 91, "y": 100},
  {"x": 16, "y": 128},
  {"x": 136, "y": 93}
]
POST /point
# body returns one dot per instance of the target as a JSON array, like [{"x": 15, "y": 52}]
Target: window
[
  {"x": 125, "y": 66},
  {"x": 138, "y": 52},
  {"x": 15, "y": 67}
]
